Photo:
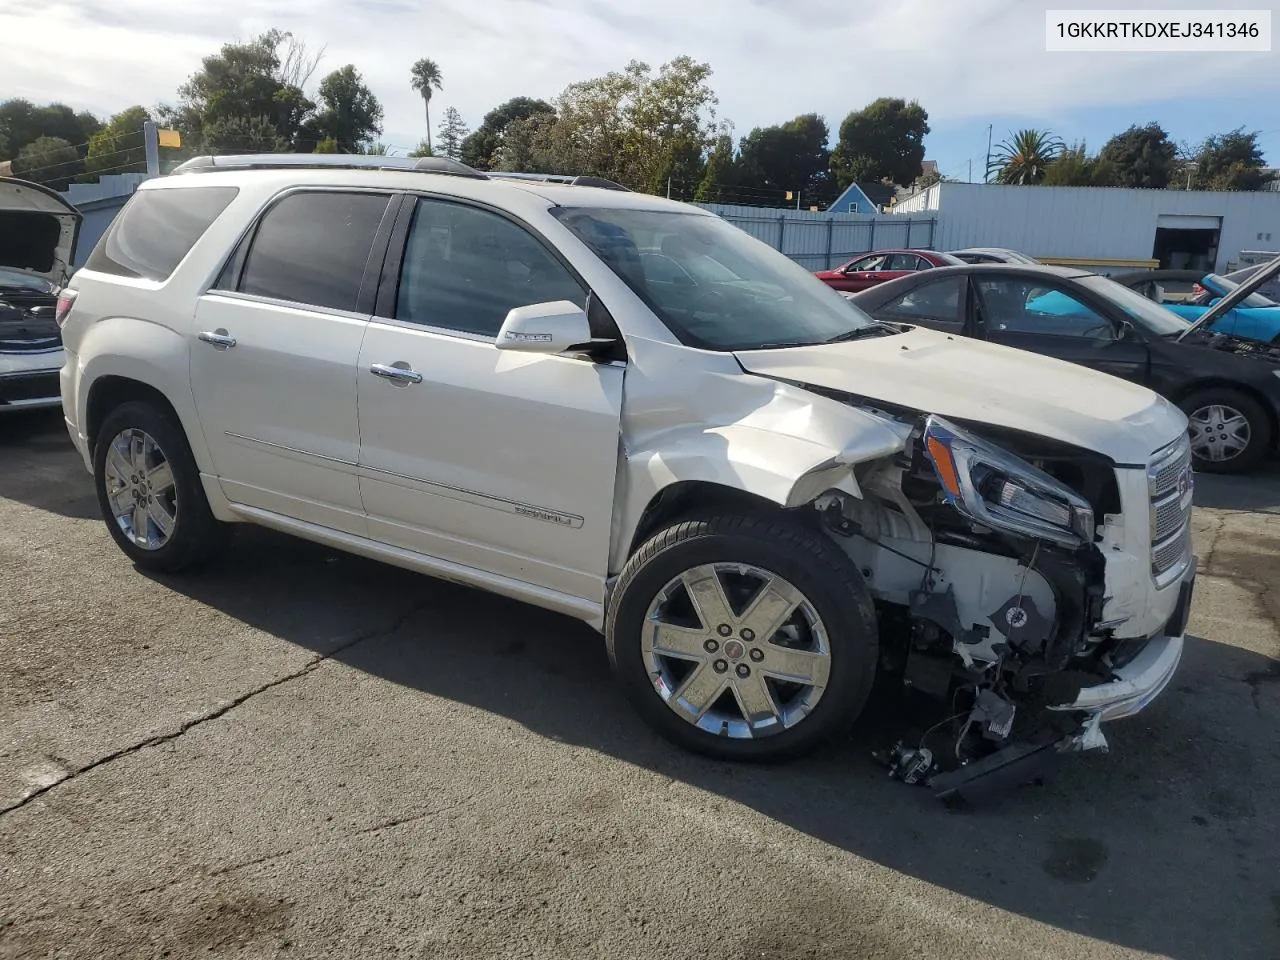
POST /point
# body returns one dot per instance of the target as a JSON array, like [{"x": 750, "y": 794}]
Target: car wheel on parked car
[
  {"x": 743, "y": 637},
  {"x": 149, "y": 490},
  {"x": 1230, "y": 432}
]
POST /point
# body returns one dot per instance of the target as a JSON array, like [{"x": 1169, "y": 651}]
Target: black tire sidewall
[
  {"x": 195, "y": 530},
  {"x": 1259, "y": 428},
  {"x": 830, "y": 582}
]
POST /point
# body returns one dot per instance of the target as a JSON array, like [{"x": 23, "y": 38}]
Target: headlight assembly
[{"x": 993, "y": 487}]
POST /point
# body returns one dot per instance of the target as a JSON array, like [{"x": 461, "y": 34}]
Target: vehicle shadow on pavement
[
  {"x": 36, "y": 452},
  {"x": 1258, "y": 491},
  {"x": 1165, "y": 845}
]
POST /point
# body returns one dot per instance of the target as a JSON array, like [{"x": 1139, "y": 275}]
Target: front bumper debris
[
  {"x": 1134, "y": 685},
  {"x": 1130, "y": 689}
]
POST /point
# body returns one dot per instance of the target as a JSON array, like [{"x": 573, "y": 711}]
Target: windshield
[
  {"x": 1145, "y": 313},
  {"x": 715, "y": 286},
  {"x": 14, "y": 278},
  {"x": 1221, "y": 286}
]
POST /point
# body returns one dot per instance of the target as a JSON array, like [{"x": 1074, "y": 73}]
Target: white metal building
[{"x": 1182, "y": 229}]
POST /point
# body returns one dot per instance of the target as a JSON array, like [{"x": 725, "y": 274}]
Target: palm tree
[
  {"x": 423, "y": 76},
  {"x": 1025, "y": 157}
]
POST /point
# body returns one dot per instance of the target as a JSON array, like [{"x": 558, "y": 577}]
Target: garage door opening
[{"x": 1187, "y": 243}]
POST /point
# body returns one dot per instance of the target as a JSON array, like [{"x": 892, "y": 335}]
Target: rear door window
[
  {"x": 312, "y": 248},
  {"x": 156, "y": 229}
]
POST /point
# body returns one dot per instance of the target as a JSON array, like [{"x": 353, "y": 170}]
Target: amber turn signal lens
[{"x": 945, "y": 465}]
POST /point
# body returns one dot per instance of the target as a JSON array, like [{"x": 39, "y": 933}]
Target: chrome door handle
[
  {"x": 397, "y": 374},
  {"x": 219, "y": 339}
]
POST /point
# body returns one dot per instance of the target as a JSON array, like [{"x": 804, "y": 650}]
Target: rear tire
[
  {"x": 150, "y": 493},
  {"x": 716, "y": 688},
  {"x": 1230, "y": 432}
]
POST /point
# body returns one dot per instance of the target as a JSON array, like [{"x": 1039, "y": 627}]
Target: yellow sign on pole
[
  {"x": 170, "y": 138},
  {"x": 790, "y": 195}
]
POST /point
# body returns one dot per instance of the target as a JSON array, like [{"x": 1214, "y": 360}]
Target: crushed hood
[
  {"x": 38, "y": 230},
  {"x": 981, "y": 382}
]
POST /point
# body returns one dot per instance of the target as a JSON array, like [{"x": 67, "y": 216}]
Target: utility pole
[
  {"x": 668, "y": 188},
  {"x": 797, "y": 199},
  {"x": 151, "y": 143},
  {"x": 986, "y": 173},
  {"x": 970, "y": 170}
]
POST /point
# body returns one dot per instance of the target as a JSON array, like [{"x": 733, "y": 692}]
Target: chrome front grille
[{"x": 1170, "y": 486}]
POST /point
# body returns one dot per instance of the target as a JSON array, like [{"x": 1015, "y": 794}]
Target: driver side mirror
[
  {"x": 558, "y": 326},
  {"x": 1126, "y": 331}
]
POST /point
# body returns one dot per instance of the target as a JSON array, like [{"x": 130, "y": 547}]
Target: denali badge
[{"x": 530, "y": 337}]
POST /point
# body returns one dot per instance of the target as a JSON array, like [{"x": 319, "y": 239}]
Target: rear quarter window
[{"x": 156, "y": 229}]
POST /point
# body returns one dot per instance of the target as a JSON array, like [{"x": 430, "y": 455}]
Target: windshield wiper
[{"x": 857, "y": 333}]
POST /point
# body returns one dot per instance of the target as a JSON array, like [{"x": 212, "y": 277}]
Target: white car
[
  {"x": 38, "y": 230},
  {"x": 757, "y": 494}
]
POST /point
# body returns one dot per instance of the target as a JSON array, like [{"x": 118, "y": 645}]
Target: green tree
[
  {"x": 243, "y": 82},
  {"x": 1024, "y": 158},
  {"x": 790, "y": 156},
  {"x": 350, "y": 113},
  {"x": 118, "y": 147},
  {"x": 882, "y": 141},
  {"x": 721, "y": 173},
  {"x": 1073, "y": 168},
  {"x": 1138, "y": 157},
  {"x": 422, "y": 150},
  {"x": 670, "y": 122},
  {"x": 243, "y": 135},
  {"x": 1230, "y": 161},
  {"x": 528, "y": 145},
  {"x": 453, "y": 131},
  {"x": 630, "y": 126},
  {"x": 424, "y": 77},
  {"x": 50, "y": 161},
  {"x": 22, "y": 123},
  {"x": 478, "y": 149}
]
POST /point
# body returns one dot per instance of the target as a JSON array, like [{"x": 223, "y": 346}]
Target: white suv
[{"x": 629, "y": 411}]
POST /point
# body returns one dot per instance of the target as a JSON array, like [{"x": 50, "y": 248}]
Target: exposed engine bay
[{"x": 980, "y": 548}]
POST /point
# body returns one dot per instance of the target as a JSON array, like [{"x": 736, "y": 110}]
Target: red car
[{"x": 883, "y": 265}]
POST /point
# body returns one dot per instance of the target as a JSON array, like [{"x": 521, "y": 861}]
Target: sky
[{"x": 970, "y": 64}]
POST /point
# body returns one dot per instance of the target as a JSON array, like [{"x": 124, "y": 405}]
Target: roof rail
[
  {"x": 567, "y": 178},
  {"x": 326, "y": 161}
]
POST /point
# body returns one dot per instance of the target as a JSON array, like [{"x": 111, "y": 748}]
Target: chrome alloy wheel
[
  {"x": 140, "y": 489},
  {"x": 735, "y": 650},
  {"x": 1219, "y": 432}
]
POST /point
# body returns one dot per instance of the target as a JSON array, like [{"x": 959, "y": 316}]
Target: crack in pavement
[
  {"x": 363, "y": 831},
  {"x": 220, "y": 711}
]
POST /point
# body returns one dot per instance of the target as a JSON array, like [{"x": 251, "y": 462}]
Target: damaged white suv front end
[{"x": 1029, "y": 545}]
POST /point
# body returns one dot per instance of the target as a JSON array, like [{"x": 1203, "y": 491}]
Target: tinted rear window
[
  {"x": 156, "y": 229},
  {"x": 311, "y": 248}
]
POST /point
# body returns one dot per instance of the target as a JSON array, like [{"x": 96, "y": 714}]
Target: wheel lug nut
[
  {"x": 748, "y": 635},
  {"x": 743, "y": 670},
  {"x": 720, "y": 666},
  {"x": 757, "y": 654},
  {"x": 711, "y": 646},
  {"x": 724, "y": 629}
]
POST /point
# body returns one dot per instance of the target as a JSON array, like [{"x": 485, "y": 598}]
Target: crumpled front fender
[{"x": 784, "y": 444}]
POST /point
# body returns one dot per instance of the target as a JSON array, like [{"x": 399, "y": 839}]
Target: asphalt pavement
[{"x": 302, "y": 753}]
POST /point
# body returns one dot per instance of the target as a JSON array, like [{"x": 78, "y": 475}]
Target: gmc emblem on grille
[{"x": 1185, "y": 483}]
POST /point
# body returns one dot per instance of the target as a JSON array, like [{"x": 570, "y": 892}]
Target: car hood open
[
  {"x": 980, "y": 382},
  {"x": 38, "y": 230}
]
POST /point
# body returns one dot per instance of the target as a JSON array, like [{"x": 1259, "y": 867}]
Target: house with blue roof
[{"x": 863, "y": 198}]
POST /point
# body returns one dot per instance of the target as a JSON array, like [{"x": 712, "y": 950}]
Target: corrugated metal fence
[{"x": 820, "y": 241}]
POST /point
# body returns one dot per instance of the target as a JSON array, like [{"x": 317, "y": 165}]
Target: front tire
[
  {"x": 743, "y": 637},
  {"x": 149, "y": 490},
  {"x": 1229, "y": 430}
]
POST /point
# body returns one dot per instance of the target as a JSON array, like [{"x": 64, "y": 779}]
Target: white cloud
[{"x": 771, "y": 59}]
